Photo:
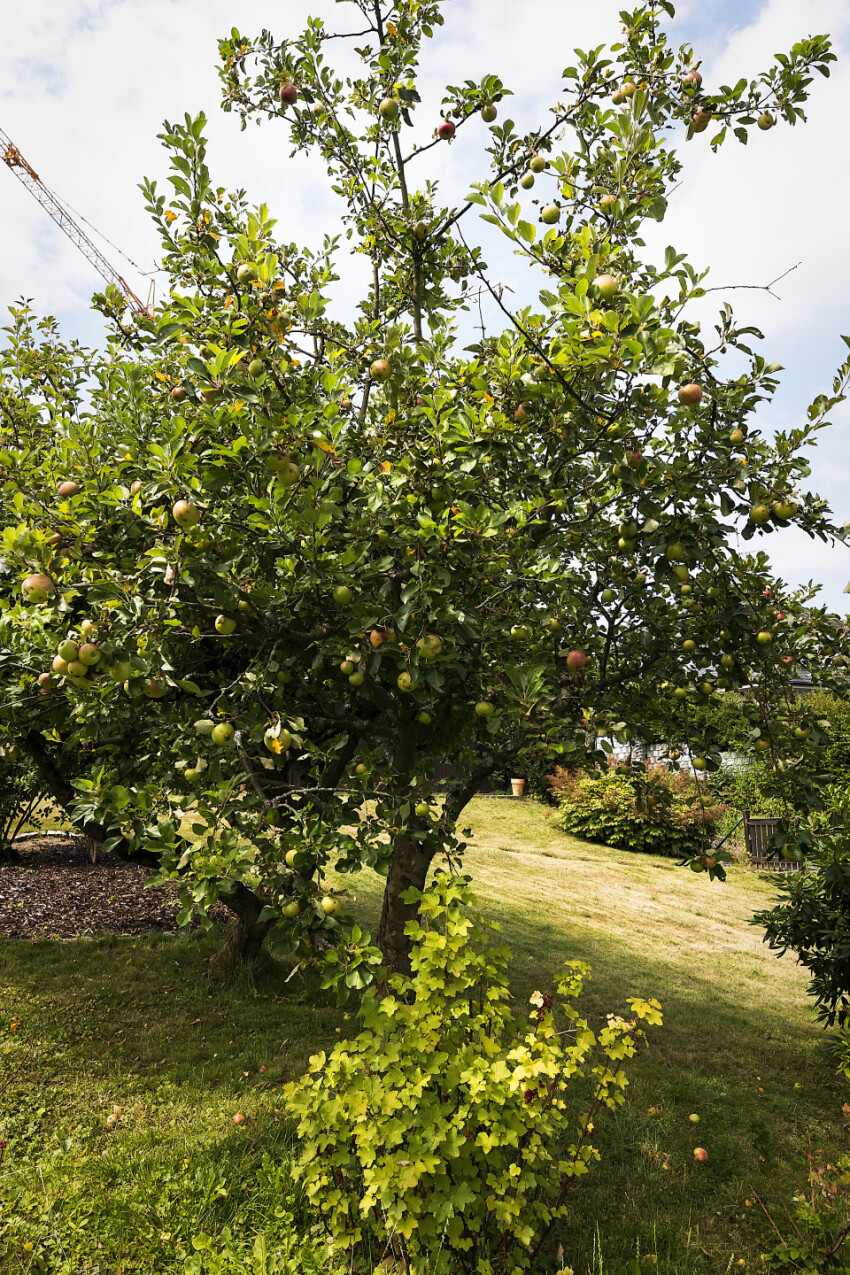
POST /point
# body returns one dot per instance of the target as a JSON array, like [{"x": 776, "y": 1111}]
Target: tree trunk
[
  {"x": 408, "y": 867},
  {"x": 248, "y": 933}
]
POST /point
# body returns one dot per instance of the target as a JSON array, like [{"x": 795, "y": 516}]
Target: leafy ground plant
[{"x": 446, "y": 1133}]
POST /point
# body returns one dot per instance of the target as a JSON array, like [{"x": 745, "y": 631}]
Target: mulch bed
[{"x": 56, "y": 891}]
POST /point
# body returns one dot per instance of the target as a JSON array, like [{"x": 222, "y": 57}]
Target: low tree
[{"x": 263, "y": 569}]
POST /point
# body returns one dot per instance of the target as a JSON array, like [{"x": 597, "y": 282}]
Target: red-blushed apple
[
  {"x": 700, "y": 1154},
  {"x": 446, "y": 130},
  {"x": 68, "y": 489},
  {"x": 154, "y": 689},
  {"x": 59, "y": 665},
  {"x": 209, "y": 395},
  {"x": 239, "y": 1118},
  {"x": 550, "y": 214},
  {"x": 45, "y": 683},
  {"x": 607, "y": 203},
  {"x": 380, "y": 370},
  {"x": 635, "y": 460},
  {"x": 576, "y": 661},
  {"x": 178, "y": 393},
  {"x": 185, "y": 514},
  {"x": 135, "y": 487},
  {"x": 629, "y": 89},
  {"x": 692, "y": 77},
  {"x": 690, "y": 394},
  {"x": 700, "y": 120},
  {"x": 37, "y": 588},
  {"x": 488, "y": 113},
  {"x": 89, "y": 653},
  {"x": 288, "y": 94}
]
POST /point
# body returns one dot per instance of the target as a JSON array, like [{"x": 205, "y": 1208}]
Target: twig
[{"x": 756, "y": 287}]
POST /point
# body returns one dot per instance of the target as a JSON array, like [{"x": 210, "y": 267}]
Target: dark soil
[{"x": 56, "y": 891}]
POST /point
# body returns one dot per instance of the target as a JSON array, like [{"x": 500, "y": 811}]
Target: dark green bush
[
  {"x": 20, "y": 793},
  {"x": 812, "y": 916},
  {"x": 648, "y": 809}
]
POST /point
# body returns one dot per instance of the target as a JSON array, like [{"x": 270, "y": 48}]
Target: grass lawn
[{"x": 181, "y": 1042}]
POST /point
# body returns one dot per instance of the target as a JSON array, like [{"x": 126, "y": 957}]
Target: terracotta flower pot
[{"x": 517, "y": 787}]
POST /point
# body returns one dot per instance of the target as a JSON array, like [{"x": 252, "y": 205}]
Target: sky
[{"x": 85, "y": 86}]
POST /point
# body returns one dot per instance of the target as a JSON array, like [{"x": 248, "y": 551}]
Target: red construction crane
[{"x": 61, "y": 215}]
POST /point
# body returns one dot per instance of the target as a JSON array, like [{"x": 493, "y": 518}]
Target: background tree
[{"x": 297, "y": 561}]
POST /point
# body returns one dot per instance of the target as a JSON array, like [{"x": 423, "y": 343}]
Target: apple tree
[{"x": 264, "y": 569}]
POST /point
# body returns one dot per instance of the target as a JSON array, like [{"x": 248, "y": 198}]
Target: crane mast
[{"x": 26, "y": 174}]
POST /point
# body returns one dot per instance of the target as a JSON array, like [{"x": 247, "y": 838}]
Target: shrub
[
  {"x": 20, "y": 793},
  {"x": 648, "y": 809},
  {"x": 443, "y": 1132},
  {"x": 812, "y": 916}
]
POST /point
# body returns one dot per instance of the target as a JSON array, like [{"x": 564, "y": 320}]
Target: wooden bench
[{"x": 757, "y": 835}]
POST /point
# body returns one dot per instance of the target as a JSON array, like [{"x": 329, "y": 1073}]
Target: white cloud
[{"x": 86, "y": 84}]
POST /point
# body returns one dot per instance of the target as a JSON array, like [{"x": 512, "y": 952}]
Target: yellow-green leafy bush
[{"x": 446, "y": 1131}]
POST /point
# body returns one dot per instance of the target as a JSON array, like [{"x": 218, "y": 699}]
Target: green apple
[
  {"x": 88, "y": 628},
  {"x": 607, "y": 596},
  {"x": 727, "y": 661},
  {"x": 679, "y": 692},
  {"x": 429, "y": 646},
  {"x": 675, "y": 552},
  {"x": 59, "y": 665},
  {"x": 290, "y": 909},
  {"x": 405, "y": 682},
  {"x": 356, "y": 679},
  {"x": 68, "y": 649},
  {"x": 689, "y": 646},
  {"x": 88, "y": 653},
  {"x": 699, "y": 763},
  {"x": 225, "y": 625},
  {"x": 764, "y": 638},
  {"x": 222, "y": 733},
  {"x": 424, "y": 718},
  {"x": 527, "y": 181},
  {"x": 484, "y": 708},
  {"x": 342, "y": 595},
  {"x": 537, "y": 164},
  {"x": 766, "y": 121},
  {"x": 290, "y": 857},
  {"x": 388, "y": 110},
  {"x": 550, "y": 214},
  {"x": 279, "y": 743},
  {"x": 77, "y": 669},
  {"x": 607, "y": 286},
  {"x": 760, "y": 514},
  {"x": 421, "y": 809},
  {"x": 185, "y": 514},
  {"x": 347, "y": 667},
  {"x": 256, "y": 368},
  {"x": 329, "y": 905},
  {"x": 488, "y": 113},
  {"x": 246, "y": 272}
]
